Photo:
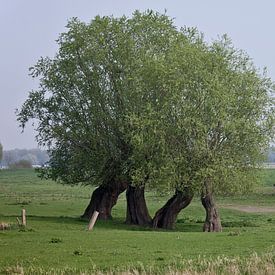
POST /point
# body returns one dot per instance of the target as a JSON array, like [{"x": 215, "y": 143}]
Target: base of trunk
[
  {"x": 166, "y": 216},
  {"x": 137, "y": 211},
  {"x": 103, "y": 199},
  {"x": 212, "y": 221}
]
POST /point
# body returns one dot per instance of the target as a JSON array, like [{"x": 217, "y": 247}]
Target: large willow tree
[
  {"x": 86, "y": 98},
  {"x": 130, "y": 103},
  {"x": 211, "y": 131}
]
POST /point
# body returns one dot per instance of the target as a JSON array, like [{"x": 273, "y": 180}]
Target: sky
[{"x": 29, "y": 28}]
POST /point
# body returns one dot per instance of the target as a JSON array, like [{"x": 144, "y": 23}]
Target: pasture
[{"x": 56, "y": 240}]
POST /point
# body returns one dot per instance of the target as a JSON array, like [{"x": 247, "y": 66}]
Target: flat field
[{"x": 56, "y": 240}]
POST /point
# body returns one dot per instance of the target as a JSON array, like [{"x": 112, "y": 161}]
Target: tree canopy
[
  {"x": 90, "y": 89},
  {"x": 216, "y": 121}
]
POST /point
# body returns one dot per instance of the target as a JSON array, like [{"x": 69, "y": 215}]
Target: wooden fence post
[
  {"x": 24, "y": 222},
  {"x": 93, "y": 220}
]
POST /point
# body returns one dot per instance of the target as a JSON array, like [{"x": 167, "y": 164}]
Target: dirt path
[{"x": 250, "y": 209}]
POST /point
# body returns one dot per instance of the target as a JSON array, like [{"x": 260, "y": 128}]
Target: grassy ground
[{"x": 56, "y": 239}]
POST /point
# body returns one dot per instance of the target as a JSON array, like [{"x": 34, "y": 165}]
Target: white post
[
  {"x": 24, "y": 217},
  {"x": 93, "y": 220}
]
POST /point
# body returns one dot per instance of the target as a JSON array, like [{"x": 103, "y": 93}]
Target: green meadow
[{"x": 56, "y": 240}]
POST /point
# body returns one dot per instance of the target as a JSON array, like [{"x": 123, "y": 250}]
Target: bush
[{"x": 21, "y": 164}]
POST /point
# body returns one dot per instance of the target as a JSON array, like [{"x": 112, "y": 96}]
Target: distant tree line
[
  {"x": 1, "y": 152},
  {"x": 30, "y": 156},
  {"x": 40, "y": 157}
]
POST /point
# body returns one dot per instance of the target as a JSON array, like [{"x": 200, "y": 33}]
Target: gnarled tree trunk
[
  {"x": 166, "y": 216},
  {"x": 212, "y": 221},
  {"x": 103, "y": 199},
  {"x": 137, "y": 211}
]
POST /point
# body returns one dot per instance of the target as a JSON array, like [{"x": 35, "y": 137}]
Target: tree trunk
[
  {"x": 166, "y": 216},
  {"x": 137, "y": 211},
  {"x": 103, "y": 199},
  {"x": 212, "y": 221}
]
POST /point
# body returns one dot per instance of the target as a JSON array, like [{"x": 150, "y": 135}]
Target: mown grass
[{"x": 56, "y": 239}]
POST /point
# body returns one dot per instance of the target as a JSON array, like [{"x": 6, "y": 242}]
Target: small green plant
[
  {"x": 77, "y": 252},
  {"x": 56, "y": 240}
]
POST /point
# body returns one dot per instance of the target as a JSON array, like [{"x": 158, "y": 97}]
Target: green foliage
[
  {"x": 138, "y": 99},
  {"x": 89, "y": 91},
  {"x": 268, "y": 177},
  {"x": 215, "y": 122}
]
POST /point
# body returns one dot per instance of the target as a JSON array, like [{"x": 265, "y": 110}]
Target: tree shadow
[{"x": 116, "y": 223}]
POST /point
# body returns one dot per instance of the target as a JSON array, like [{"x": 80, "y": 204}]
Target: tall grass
[{"x": 255, "y": 264}]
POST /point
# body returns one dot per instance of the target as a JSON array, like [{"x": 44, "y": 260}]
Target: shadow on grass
[{"x": 115, "y": 223}]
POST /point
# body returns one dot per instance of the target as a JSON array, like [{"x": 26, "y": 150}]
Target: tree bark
[
  {"x": 212, "y": 221},
  {"x": 166, "y": 216},
  {"x": 137, "y": 211},
  {"x": 103, "y": 199}
]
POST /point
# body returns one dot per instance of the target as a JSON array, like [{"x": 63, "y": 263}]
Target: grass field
[{"x": 56, "y": 240}]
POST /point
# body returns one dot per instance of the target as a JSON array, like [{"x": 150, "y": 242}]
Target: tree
[
  {"x": 88, "y": 93},
  {"x": 214, "y": 129}
]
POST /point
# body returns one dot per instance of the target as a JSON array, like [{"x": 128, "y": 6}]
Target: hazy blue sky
[{"x": 29, "y": 28}]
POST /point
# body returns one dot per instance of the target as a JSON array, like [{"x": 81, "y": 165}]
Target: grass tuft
[
  {"x": 55, "y": 240},
  {"x": 77, "y": 252}
]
